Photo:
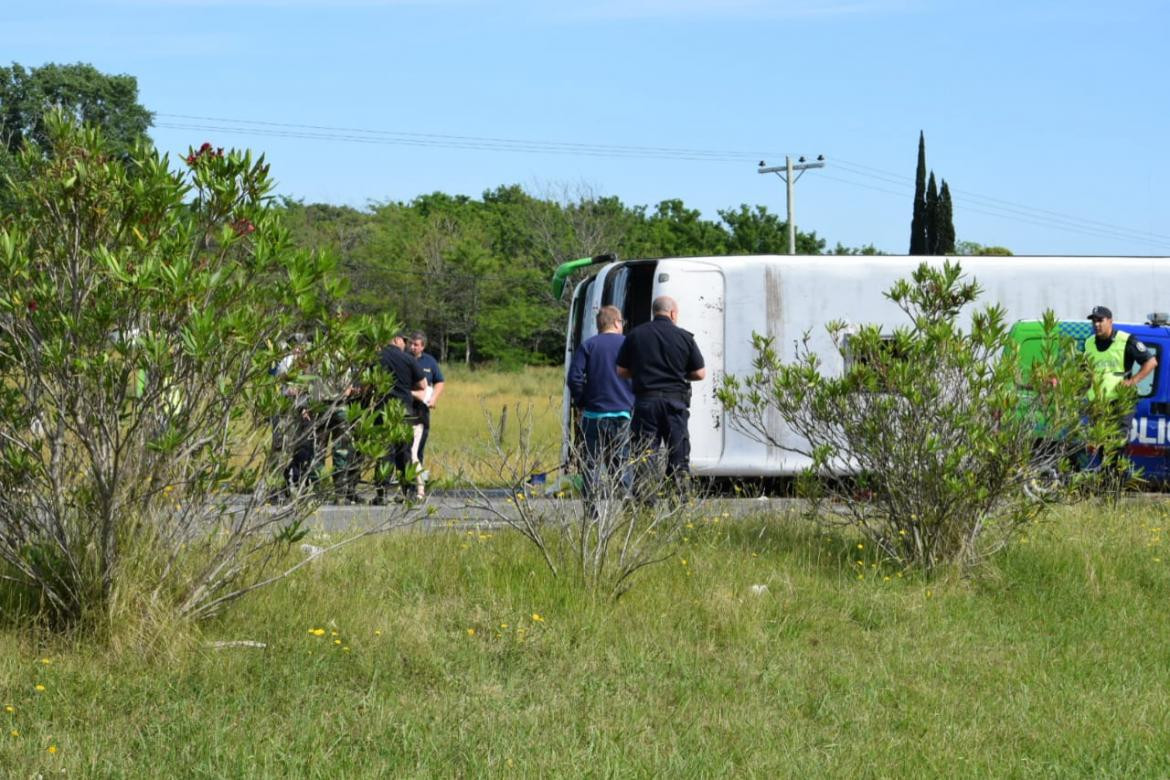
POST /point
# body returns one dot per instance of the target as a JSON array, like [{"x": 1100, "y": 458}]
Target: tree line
[
  {"x": 474, "y": 273},
  {"x": 471, "y": 272}
]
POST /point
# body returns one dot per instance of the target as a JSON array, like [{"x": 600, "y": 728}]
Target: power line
[
  {"x": 974, "y": 202},
  {"x": 959, "y": 194},
  {"x": 1087, "y": 230}
]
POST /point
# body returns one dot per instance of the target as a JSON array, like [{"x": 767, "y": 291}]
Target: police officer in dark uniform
[
  {"x": 662, "y": 359},
  {"x": 409, "y": 379}
]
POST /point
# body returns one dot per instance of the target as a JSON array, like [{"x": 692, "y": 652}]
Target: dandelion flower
[
  {"x": 39, "y": 688},
  {"x": 471, "y": 632},
  {"x": 345, "y": 649},
  {"x": 336, "y": 641},
  {"x": 503, "y": 625},
  {"x": 15, "y": 733},
  {"x": 683, "y": 561},
  {"x": 537, "y": 618},
  {"x": 52, "y": 748},
  {"x": 378, "y": 632},
  {"x": 46, "y": 661},
  {"x": 9, "y": 708},
  {"x": 317, "y": 631},
  {"x": 860, "y": 546}
]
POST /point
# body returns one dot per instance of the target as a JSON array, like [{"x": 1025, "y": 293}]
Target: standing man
[
  {"x": 662, "y": 359},
  {"x": 606, "y": 401},
  {"x": 1113, "y": 354},
  {"x": 409, "y": 384},
  {"x": 435, "y": 384}
]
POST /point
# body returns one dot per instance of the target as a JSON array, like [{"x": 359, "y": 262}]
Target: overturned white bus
[{"x": 723, "y": 300}]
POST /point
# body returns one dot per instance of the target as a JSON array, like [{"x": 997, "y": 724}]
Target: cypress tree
[
  {"x": 945, "y": 231},
  {"x": 918, "y": 221},
  {"x": 931, "y": 217}
]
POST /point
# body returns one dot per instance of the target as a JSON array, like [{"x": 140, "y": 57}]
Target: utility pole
[{"x": 786, "y": 173}]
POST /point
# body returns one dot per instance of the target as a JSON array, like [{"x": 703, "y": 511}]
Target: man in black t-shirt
[
  {"x": 662, "y": 359},
  {"x": 409, "y": 380}
]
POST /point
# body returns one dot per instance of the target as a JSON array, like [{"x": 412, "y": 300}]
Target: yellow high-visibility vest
[{"x": 1110, "y": 364}]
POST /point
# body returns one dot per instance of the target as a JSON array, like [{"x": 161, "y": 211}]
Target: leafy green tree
[
  {"x": 925, "y": 442},
  {"x": 868, "y": 249},
  {"x": 919, "y": 220},
  {"x": 673, "y": 230},
  {"x": 80, "y": 91},
  {"x": 975, "y": 249},
  {"x": 756, "y": 231},
  {"x": 142, "y": 313}
]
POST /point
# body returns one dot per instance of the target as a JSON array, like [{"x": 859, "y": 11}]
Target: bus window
[
  {"x": 630, "y": 287},
  {"x": 580, "y": 306}
]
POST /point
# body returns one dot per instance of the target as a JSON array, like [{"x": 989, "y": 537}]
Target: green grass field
[
  {"x": 473, "y": 402},
  {"x": 454, "y": 654}
]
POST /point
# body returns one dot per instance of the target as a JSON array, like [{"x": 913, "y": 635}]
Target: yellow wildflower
[
  {"x": 537, "y": 618},
  {"x": 378, "y": 632},
  {"x": 317, "y": 631},
  {"x": 471, "y": 632},
  {"x": 345, "y": 649},
  {"x": 15, "y": 733},
  {"x": 336, "y": 641},
  {"x": 46, "y": 661},
  {"x": 9, "y": 708},
  {"x": 52, "y": 748},
  {"x": 39, "y": 688},
  {"x": 860, "y": 546}
]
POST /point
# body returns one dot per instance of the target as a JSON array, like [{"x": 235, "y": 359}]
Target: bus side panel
[{"x": 699, "y": 291}]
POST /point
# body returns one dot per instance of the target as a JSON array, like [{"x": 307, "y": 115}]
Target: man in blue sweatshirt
[{"x": 605, "y": 401}]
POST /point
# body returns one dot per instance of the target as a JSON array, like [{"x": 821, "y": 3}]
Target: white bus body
[{"x": 723, "y": 300}]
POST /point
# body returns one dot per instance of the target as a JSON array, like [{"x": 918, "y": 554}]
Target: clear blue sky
[{"x": 1050, "y": 119}]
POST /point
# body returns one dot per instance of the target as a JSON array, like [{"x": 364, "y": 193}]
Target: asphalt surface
[{"x": 461, "y": 511}]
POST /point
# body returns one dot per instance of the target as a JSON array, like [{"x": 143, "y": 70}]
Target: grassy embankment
[{"x": 454, "y": 654}]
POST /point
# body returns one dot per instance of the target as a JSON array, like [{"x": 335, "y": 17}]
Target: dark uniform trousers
[{"x": 663, "y": 419}]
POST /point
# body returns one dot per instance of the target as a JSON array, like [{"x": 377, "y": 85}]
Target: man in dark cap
[{"x": 1114, "y": 353}]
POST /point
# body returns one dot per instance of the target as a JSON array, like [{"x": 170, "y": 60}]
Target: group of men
[
  {"x": 418, "y": 383},
  {"x": 634, "y": 391},
  {"x": 319, "y": 421}
]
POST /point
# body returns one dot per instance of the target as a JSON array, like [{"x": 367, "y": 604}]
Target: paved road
[{"x": 461, "y": 511}]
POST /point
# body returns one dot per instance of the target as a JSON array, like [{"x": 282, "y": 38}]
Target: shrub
[
  {"x": 926, "y": 442},
  {"x": 142, "y": 313}
]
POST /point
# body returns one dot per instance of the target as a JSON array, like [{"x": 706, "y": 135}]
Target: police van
[
  {"x": 724, "y": 300},
  {"x": 1149, "y": 433}
]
